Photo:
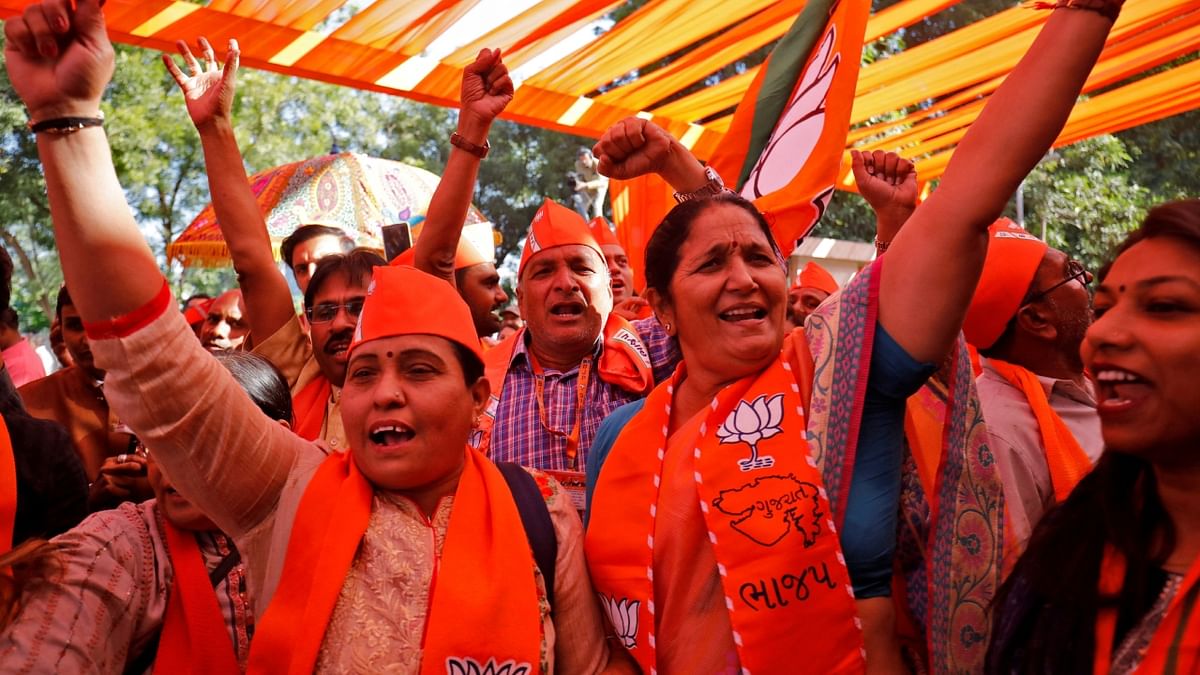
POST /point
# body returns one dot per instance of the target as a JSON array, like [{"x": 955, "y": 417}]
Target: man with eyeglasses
[
  {"x": 1027, "y": 319},
  {"x": 314, "y": 365}
]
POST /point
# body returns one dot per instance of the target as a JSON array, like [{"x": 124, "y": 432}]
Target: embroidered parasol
[{"x": 357, "y": 193}]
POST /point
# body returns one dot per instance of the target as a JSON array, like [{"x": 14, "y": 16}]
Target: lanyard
[{"x": 539, "y": 383}]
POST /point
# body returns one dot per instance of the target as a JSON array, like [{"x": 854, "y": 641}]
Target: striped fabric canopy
[{"x": 575, "y": 77}]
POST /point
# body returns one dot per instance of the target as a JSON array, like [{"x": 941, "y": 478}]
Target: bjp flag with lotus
[{"x": 788, "y": 135}]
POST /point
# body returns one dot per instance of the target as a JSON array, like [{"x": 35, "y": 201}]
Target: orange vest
[{"x": 768, "y": 518}]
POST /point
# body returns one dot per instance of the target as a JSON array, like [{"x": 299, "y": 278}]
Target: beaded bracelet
[{"x": 1109, "y": 9}]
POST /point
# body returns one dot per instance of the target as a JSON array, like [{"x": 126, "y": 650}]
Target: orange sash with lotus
[
  {"x": 784, "y": 579},
  {"x": 1175, "y": 647},
  {"x": 486, "y": 566}
]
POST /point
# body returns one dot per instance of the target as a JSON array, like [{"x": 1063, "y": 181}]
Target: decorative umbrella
[{"x": 357, "y": 193}]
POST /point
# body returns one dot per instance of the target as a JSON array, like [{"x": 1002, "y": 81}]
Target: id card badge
[{"x": 574, "y": 483}]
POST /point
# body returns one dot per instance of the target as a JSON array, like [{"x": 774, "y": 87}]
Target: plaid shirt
[{"x": 518, "y": 435}]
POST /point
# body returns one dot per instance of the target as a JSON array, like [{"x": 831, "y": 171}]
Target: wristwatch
[{"x": 714, "y": 186}]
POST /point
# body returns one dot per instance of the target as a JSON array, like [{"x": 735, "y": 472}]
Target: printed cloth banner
[{"x": 787, "y": 137}]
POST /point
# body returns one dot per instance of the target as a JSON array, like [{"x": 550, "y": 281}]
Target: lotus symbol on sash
[
  {"x": 623, "y": 614},
  {"x": 465, "y": 665},
  {"x": 752, "y": 423}
]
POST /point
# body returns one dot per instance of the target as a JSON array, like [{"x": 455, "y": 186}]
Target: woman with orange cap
[{"x": 398, "y": 555}]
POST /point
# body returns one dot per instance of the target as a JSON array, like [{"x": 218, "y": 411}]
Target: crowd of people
[{"x": 962, "y": 460}]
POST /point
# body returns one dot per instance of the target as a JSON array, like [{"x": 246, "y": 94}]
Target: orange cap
[
  {"x": 555, "y": 225},
  {"x": 1012, "y": 261},
  {"x": 602, "y": 233},
  {"x": 477, "y": 245},
  {"x": 197, "y": 312},
  {"x": 405, "y": 301},
  {"x": 815, "y": 276}
]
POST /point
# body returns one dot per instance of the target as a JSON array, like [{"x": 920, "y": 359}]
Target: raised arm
[
  {"x": 59, "y": 61},
  {"x": 634, "y": 147},
  {"x": 888, "y": 182},
  {"x": 486, "y": 91},
  {"x": 934, "y": 263},
  {"x": 208, "y": 90}
]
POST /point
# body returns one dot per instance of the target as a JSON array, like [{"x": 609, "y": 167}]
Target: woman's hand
[
  {"x": 635, "y": 147},
  {"x": 59, "y": 59},
  {"x": 208, "y": 90}
]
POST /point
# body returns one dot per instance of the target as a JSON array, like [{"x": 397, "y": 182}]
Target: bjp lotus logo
[
  {"x": 752, "y": 423},
  {"x": 465, "y": 665},
  {"x": 623, "y": 614}
]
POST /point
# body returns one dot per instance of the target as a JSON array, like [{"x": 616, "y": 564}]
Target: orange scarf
[
  {"x": 1175, "y": 647},
  {"x": 485, "y": 543},
  {"x": 766, "y": 512},
  {"x": 1067, "y": 461},
  {"x": 8, "y": 489},
  {"x": 624, "y": 362},
  {"x": 309, "y": 407},
  {"x": 195, "y": 638}
]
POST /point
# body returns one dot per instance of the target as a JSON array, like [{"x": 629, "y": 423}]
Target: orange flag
[
  {"x": 786, "y": 140},
  {"x": 638, "y": 207}
]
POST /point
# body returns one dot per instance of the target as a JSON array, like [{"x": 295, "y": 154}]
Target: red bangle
[
  {"x": 128, "y": 324},
  {"x": 480, "y": 151}
]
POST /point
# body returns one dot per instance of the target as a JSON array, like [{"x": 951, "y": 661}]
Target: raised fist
[
  {"x": 59, "y": 59},
  {"x": 634, "y": 147},
  {"x": 486, "y": 87},
  {"x": 886, "y": 180}
]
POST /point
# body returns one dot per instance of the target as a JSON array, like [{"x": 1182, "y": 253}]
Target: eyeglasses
[
  {"x": 328, "y": 311},
  {"x": 1075, "y": 270}
]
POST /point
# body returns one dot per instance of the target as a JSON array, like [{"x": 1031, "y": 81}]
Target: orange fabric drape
[
  {"x": 194, "y": 638},
  {"x": 484, "y": 539},
  {"x": 1067, "y": 461}
]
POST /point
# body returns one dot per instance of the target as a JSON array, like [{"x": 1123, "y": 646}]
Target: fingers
[
  {"x": 890, "y": 162},
  {"x": 483, "y": 62},
  {"x": 620, "y": 140},
  {"x": 233, "y": 59},
  {"x": 89, "y": 21},
  {"x": 176, "y": 73},
  {"x": 192, "y": 64},
  {"x": 58, "y": 15},
  {"x": 207, "y": 53},
  {"x": 18, "y": 37},
  {"x": 45, "y": 40}
]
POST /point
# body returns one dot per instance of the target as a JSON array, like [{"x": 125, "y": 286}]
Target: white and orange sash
[
  {"x": 195, "y": 637},
  {"x": 1175, "y": 648},
  {"x": 485, "y": 540},
  {"x": 624, "y": 362},
  {"x": 782, "y": 572},
  {"x": 1067, "y": 461}
]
